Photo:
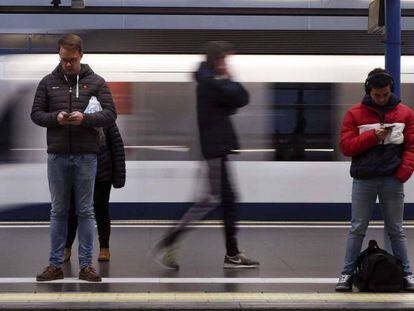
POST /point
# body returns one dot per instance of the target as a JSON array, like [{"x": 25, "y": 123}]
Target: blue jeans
[
  {"x": 67, "y": 171},
  {"x": 390, "y": 193}
]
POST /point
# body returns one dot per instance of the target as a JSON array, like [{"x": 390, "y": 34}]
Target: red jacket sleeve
[
  {"x": 407, "y": 166},
  {"x": 351, "y": 143}
]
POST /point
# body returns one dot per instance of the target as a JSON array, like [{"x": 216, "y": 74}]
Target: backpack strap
[
  {"x": 372, "y": 244},
  {"x": 372, "y": 247}
]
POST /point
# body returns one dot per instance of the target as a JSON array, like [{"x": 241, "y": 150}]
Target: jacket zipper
[
  {"x": 70, "y": 126},
  {"x": 382, "y": 119},
  {"x": 70, "y": 110}
]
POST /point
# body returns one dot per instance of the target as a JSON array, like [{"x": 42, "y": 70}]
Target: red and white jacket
[{"x": 371, "y": 158}]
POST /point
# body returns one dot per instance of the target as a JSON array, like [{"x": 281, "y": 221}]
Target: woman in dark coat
[{"x": 110, "y": 172}]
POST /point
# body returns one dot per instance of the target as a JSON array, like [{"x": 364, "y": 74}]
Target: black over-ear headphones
[{"x": 375, "y": 75}]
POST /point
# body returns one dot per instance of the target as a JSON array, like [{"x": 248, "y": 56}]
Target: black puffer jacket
[
  {"x": 217, "y": 100},
  {"x": 54, "y": 94},
  {"x": 111, "y": 157}
]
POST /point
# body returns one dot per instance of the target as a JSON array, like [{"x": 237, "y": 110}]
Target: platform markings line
[
  {"x": 217, "y": 226},
  {"x": 207, "y": 297},
  {"x": 14, "y": 280}
]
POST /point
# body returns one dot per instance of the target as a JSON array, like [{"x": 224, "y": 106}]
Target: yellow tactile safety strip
[{"x": 206, "y": 297}]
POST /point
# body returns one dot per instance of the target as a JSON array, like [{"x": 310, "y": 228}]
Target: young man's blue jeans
[
  {"x": 390, "y": 193},
  {"x": 67, "y": 171}
]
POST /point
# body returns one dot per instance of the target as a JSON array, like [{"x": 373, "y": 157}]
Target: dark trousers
[
  {"x": 101, "y": 207},
  {"x": 219, "y": 194}
]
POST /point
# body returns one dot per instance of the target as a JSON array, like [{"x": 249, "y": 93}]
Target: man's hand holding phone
[
  {"x": 383, "y": 131},
  {"x": 74, "y": 118},
  {"x": 63, "y": 117}
]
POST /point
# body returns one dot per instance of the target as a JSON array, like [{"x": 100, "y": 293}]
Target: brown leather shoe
[
  {"x": 50, "y": 273},
  {"x": 89, "y": 274},
  {"x": 104, "y": 254},
  {"x": 67, "y": 254}
]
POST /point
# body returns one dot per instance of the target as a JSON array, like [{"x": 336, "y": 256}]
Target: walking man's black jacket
[{"x": 217, "y": 100}]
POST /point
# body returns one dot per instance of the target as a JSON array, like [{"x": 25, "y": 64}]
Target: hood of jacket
[
  {"x": 85, "y": 71},
  {"x": 203, "y": 72},
  {"x": 392, "y": 102},
  {"x": 73, "y": 80}
]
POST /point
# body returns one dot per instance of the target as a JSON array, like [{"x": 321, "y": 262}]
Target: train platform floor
[{"x": 299, "y": 266}]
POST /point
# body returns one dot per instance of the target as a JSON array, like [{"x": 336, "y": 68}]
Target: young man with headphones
[{"x": 378, "y": 134}]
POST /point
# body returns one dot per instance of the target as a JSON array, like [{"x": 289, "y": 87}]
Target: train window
[
  {"x": 302, "y": 121},
  {"x": 284, "y": 122}
]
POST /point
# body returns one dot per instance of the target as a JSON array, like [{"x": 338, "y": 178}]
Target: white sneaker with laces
[
  {"x": 239, "y": 261},
  {"x": 409, "y": 282},
  {"x": 344, "y": 283}
]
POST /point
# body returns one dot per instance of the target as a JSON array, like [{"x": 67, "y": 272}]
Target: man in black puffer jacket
[
  {"x": 72, "y": 145},
  {"x": 218, "y": 97}
]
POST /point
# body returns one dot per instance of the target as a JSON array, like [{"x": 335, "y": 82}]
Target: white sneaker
[
  {"x": 344, "y": 283},
  {"x": 239, "y": 261}
]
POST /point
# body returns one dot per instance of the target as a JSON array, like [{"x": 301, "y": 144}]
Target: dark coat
[
  {"x": 111, "y": 157},
  {"x": 55, "y": 94},
  {"x": 217, "y": 100}
]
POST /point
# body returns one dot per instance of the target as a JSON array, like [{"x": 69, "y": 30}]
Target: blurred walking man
[{"x": 218, "y": 97}]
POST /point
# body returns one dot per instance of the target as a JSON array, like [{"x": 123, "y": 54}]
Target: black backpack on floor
[{"x": 378, "y": 271}]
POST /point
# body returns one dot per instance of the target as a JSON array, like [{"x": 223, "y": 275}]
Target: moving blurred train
[{"x": 289, "y": 167}]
